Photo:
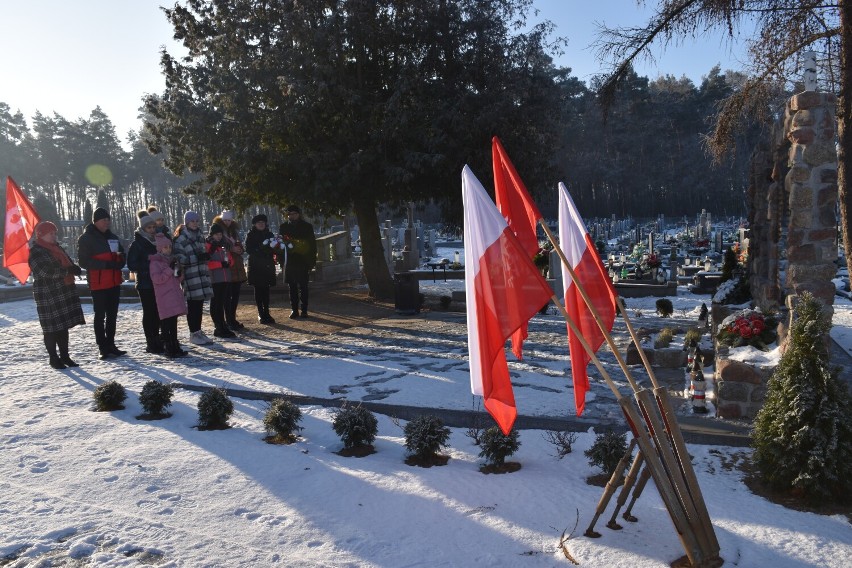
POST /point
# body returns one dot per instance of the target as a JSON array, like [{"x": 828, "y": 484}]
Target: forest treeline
[{"x": 644, "y": 158}]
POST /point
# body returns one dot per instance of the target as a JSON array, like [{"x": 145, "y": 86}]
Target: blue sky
[{"x": 68, "y": 57}]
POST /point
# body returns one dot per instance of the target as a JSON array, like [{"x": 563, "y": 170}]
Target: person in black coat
[
  {"x": 138, "y": 255},
  {"x": 300, "y": 259},
  {"x": 261, "y": 265}
]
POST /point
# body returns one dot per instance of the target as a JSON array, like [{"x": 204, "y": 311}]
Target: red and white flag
[
  {"x": 21, "y": 219},
  {"x": 503, "y": 289},
  {"x": 517, "y": 207},
  {"x": 580, "y": 251}
]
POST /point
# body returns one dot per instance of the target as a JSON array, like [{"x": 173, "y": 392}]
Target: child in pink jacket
[{"x": 166, "y": 274}]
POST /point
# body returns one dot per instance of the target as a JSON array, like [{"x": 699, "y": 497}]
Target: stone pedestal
[{"x": 740, "y": 387}]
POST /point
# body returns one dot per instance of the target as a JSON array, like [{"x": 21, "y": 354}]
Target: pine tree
[{"x": 803, "y": 434}]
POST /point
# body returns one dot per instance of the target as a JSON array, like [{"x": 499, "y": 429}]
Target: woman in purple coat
[{"x": 166, "y": 275}]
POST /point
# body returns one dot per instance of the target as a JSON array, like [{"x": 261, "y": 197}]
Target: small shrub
[
  {"x": 803, "y": 436},
  {"x": 109, "y": 396},
  {"x": 664, "y": 338},
  {"x": 474, "y": 432},
  {"x": 282, "y": 419},
  {"x": 214, "y": 409},
  {"x": 496, "y": 446},
  {"x": 156, "y": 397},
  {"x": 425, "y": 436},
  {"x": 665, "y": 308},
  {"x": 356, "y": 426},
  {"x": 445, "y": 302},
  {"x": 562, "y": 440},
  {"x": 607, "y": 450},
  {"x": 692, "y": 335}
]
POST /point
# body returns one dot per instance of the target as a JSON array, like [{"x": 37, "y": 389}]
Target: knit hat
[
  {"x": 44, "y": 228},
  {"x": 155, "y": 215},
  {"x": 146, "y": 221},
  {"x": 100, "y": 213},
  {"x": 294, "y": 209},
  {"x": 258, "y": 218},
  {"x": 191, "y": 216},
  {"x": 162, "y": 241},
  {"x": 227, "y": 215},
  {"x": 215, "y": 228}
]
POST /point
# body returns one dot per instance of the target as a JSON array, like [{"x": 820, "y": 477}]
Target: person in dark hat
[
  {"x": 261, "y": 265},
  {"x": 300, "y": 259},
  {"x": 100, "y": 252}
]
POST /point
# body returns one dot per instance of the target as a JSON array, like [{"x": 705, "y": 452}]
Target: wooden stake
[
  {"x": 609, "y": 490},
  {"x": 637, "y": 492},
  {"x": 629, "y": 482}
]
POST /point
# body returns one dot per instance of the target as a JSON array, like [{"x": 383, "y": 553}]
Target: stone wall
[{"x": 740, "y": 387}]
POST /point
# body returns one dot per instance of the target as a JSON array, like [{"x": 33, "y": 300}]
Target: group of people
[{"x": 175, "y": 274}]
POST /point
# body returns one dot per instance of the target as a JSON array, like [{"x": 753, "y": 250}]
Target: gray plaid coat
[
  {"x": 57, "y": 303},
  {"x": 196, "y": 276}
]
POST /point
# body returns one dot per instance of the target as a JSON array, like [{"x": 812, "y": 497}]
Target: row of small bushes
[{"x": 357, "y": 426}]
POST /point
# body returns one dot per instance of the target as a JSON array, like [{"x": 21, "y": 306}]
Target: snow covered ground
[{"x": 83, "y": 488}]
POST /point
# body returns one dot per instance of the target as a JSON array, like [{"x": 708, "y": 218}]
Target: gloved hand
[
  {"x": 172, "y": 263},
  {"x": 225, "y": 264},
  {"x": 75, "y": 270},
  {"x": 204, "y": 256}
]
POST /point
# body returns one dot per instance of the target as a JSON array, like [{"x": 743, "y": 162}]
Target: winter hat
[
  {"x": 155, "y": 215},
  {"x": 100, "y": 213},
  {"x": 258, "y": 218},
  {"x": 227, "y": 215},
  {"x": 191, "y": 216},
  {"x": 294, "y": 209},
  {"x": 44, "y": 228},
  {"x": 145, "y": 221},
  {"x": 215, "y": 228},
  {"x": 162, "y": 241}
]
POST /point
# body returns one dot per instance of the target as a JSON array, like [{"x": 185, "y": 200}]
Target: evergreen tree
[{"x": 803, "y": 433}]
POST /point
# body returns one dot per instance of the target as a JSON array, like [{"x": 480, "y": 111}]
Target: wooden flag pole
[
  {"x": 629, "y": 482},
  {"x": 664, "y": 484},
  {"x": 637, "y": 492},
  {"x": 676, "y": 461}
]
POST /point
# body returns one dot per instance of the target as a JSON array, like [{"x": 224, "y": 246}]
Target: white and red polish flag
[
  {"x": 517, "y": 207},
  {"x": 21, "y": 219},
  {"x": 580, "y": 251},
  {"x": 504, "y": 289}
]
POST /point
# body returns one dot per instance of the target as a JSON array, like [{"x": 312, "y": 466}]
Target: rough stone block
[
  {"x": 730, "y": 372},
  {"x": 800, "y": 174},
  {"x": 819, "y": 153},
  {"x": 804, "y": 254},
  {"x": 801, "y": 218},
  {"x": 805, "y": 100},
  {"x": 730, "y": 410},
  {"x": 805, "y": 135},
  {"x": 633, "y": 357},
  {"x": 801, "y": 196},
  {"x": 758, "y": 395},
  {"x": 828, "y": 194},
  {"x": 669, "y": 357},
  {"x": 823, "y": 234},
  {"x": 803, "y": 118}
]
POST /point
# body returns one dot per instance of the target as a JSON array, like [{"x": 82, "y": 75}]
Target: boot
[
  {"x": 50, "y": 344},
  {"x": 174, "y": 350},
  {"x": 304, "y": 313},
  {"x": 62, "y": 343}
]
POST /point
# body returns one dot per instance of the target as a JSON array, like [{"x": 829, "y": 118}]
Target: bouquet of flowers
[
  {"x": 747, "y": 327},
  {"x": 654, "y": 261},
  {"x": 278, "y": 243},
  {"x": 541, "y": 259}
]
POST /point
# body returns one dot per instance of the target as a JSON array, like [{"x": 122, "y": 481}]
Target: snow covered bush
[
  {"x": 214, "y": 409},
  {"x": 496, "y": 446},
  {"x": 109, "y": 396},
  {"x": 803, "y": 434},
  {"x": 425, "y": 436},
  {"x": 665, "y": 308},
  {"x": 607, "y": 450},
  {"x": 156, "y": 397},
  {"x": 282, "y": 419},
  {"x": 356, "y": 426}
]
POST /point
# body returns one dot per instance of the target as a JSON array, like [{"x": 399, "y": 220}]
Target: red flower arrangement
[{"x": 748, "y": 327}]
